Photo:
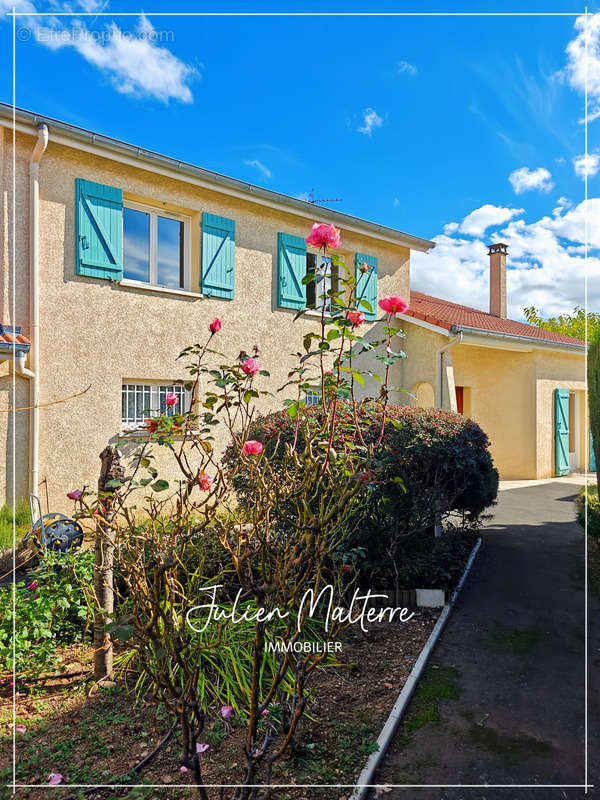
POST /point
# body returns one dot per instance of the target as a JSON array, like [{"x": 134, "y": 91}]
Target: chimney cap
[{"x": 497, "y": 247}]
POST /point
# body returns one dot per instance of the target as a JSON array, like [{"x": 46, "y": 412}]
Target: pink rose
[
  {"x": 252, "y": 448},
  {"x": 205, "y": 481},
  {"x": 356, "y": 317},
  {"x": 20, "y": 728},
  {"x": 364, "y": 267},
  {"x": 75, "y": 494},
  {"x": 323, "y": 235},
  {"x": 54, "y": 779},
  {"x": 250, "y": 366},
  {"x": 393, "y": 304},
  {"x": 215, "y": 326},
  {"x": 226, "y": 711},
  {"x": 171, "y": 399}
]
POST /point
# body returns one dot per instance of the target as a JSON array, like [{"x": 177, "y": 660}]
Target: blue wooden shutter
[
  {"x": 366, "y": 284},
  {"x": 561, "y": 431},
  {"x": 291, "y": 269},
  {"x": 218, "y": 256},
  {"x": 98, "y": 230},
  {"x": 592, "y": 454}
]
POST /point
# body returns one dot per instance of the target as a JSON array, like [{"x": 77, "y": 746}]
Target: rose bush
[{"x": 310, "y": 491}]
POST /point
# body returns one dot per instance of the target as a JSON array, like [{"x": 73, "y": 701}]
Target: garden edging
[{"x": 365, "y": 778}]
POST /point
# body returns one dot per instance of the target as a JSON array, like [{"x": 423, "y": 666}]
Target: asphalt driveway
[{"x": 514, "y": 647}]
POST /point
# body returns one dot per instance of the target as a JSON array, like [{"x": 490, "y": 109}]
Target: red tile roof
[
  {"x": 448, "y": 315},
  {"x": 9, "y": 338}
]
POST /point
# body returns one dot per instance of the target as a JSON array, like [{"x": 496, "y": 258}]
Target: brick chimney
[{"x": 497, "y": 253}]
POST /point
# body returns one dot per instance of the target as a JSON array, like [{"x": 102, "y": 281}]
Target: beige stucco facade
[
  {"x": 508, "y": 389},
  {"x": 101, "y": 334}
]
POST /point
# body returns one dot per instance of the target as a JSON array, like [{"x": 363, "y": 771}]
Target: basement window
[{"x": 142, "y": 400}]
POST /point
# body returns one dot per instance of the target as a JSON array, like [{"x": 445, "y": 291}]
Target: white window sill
[{"x": 148, "y": 287}]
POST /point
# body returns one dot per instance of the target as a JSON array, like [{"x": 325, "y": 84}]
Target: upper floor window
[
  {"x": 155, "y": 247},
  {"x": 326, "y": 280},
  {"x": 142, "y": 400}
]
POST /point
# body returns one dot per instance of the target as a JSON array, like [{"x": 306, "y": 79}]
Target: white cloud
[
  {"x": 575, "y": 70},
  {"x": 488, "y": 216},
  {"x": 589, "y": 164},
  {"x": 396, "y": 202},
  {"x": 371, "y": 120},
  {"x": 545, "y": 258},
  {"x": 259, "y": 166},
  {"x": 135, "y": 61},
  {"x": 405, "y": 68},
  {"x": 451, "y": 228},
  {"x": 526, "y": 180}
]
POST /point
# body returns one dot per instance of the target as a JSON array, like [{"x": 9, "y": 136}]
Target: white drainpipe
[
  {"x": 439, "y": 399},
  {"x": 34, "y": 306}
]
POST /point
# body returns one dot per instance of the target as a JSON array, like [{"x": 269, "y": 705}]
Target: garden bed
[{"x": 98, "y": 739}]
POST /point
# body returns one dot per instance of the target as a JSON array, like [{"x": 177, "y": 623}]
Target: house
[
  {"x": 120, "y": 258},
  {"x": 525, "y": 386}
]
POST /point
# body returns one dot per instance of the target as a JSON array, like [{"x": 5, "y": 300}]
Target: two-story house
[{"x": 115, "y": 260}]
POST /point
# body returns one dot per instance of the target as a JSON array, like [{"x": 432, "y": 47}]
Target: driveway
[{"x": 514, "y": 646}]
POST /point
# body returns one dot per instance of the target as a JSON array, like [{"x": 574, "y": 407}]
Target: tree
[
  {"x": 593, "y": 376},
  {"x": 569, "y": 324}
]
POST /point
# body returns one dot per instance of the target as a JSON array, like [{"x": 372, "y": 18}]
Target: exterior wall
[
  {"x": 99, "y": 334},
  {"x": 502, "y": 400},
  {"x": 509, "y": 393},
  {"x": 420, "y": 365},
  {"x": 555, "y": 370}
]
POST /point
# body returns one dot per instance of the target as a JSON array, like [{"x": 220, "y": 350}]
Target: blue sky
[{"x": 462, "y": 129}]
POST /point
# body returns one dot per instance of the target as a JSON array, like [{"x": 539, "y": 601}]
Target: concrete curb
[{"x": 389, "y": 729}]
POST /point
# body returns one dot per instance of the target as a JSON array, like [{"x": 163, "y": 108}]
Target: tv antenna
[{"x": 311, "y": 198}]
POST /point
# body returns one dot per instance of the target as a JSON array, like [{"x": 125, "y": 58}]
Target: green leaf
[
  {"x": 293, "y": 410},
  {"x": 160, "y": 485}
]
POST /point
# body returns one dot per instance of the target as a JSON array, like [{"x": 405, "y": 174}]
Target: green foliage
[
  {"x": 20, "y": 516},
  {"x": 568, "y": 324},
  {"x": 593, "y": 510},
  {"x": 429, "y": 463},
  {"x": 593, "y": 376},
  {"x": 52, "y": 608}
]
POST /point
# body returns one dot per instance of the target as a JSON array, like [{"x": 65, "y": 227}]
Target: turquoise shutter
[
  {"x": 218, "y": 256},
  {"x": 592, "y": 454},
  {"x": 561, "y": 430},
  {"x": 366, "y": 284},
  {"x": 98, "y": 230},
  {"x": 291, "y": 270}
]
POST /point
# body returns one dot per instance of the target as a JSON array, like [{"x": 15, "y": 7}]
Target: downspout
[
  {"x": 439, "y": 399},
  {"x": 34, "y": 306}
]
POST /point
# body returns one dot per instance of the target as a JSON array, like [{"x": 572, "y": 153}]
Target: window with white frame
[
  {"x": 142, "y": 400},
  {"x": 155, "y": 246},
  {"x": 325, "y": 280},
  {"x": 312, "y": 397}
]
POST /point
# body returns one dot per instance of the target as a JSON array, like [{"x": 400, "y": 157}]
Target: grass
[
  {"x": 439, "y": 683},
  {"x": 7, "y": 517},
  {"x": 518, "y": 641}
]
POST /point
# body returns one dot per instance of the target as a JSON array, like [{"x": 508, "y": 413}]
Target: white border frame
[{"x": 574, "y": 14}]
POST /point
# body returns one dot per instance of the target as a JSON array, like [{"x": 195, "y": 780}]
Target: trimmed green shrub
[
  {"x": 428, "y": 464},
  {"x": 593, "y": 510}
]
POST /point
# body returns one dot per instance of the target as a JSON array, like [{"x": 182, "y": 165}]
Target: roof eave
[
  {"x": 28, "y": 122},
  {"x": 532, "y": 341}
]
